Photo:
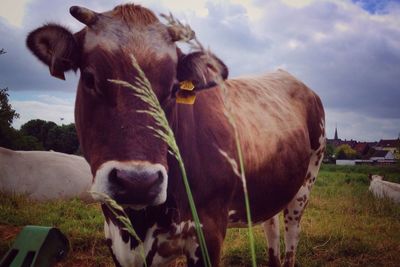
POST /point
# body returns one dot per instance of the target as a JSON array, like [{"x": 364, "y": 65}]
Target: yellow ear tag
[
  {"x": 185, "y": 97},
  {"x": 186, "y": 85}
]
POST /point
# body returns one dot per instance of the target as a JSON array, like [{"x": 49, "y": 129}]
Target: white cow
[
  {"x": 43, "y": 175},
  {"x": 383, "y": 189}
]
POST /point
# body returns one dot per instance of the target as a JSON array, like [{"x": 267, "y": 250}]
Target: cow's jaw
[{"x": 140, "y": 171}]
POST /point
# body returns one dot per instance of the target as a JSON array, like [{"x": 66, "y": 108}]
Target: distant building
[
  {"x": 386, "y": 151},
  {"x": 382, "y": 155},
  {"x": 372, "y": 144},
  {"x": 336, "y": 141},
  {"x": 391, "y": 145},
  {"x": 346, "y": 162},
  {"x": 336, "y": 135},
  {"x": 362, "y": 148}
]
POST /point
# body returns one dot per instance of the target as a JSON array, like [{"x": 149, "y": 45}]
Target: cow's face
[{"x": 128, "y": 162}]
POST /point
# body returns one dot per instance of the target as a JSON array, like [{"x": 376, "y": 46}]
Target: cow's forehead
[
  {"x": 105, "y": 37},
  {"x": 130, "y": 27},
  {"x": 149, "y": 44}
]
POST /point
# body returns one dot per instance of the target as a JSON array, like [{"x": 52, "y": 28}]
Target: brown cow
[{"x": 280, "y": 124}]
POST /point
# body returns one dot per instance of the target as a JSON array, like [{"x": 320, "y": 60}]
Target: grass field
[{"x": 344, "y": 225}]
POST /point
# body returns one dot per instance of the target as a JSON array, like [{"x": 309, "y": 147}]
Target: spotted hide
[{"x": 280, "y": 127}]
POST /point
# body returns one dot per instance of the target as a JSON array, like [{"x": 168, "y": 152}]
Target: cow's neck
[
  {"x": 201, "y": 131},
  {"x": 182, "y": 123}
]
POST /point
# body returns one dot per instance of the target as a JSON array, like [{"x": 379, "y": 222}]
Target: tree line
[
  {"x": 35, "y": 134},
  {"x": 345, "y": 151},
  {"x": 341, "y": 152}
]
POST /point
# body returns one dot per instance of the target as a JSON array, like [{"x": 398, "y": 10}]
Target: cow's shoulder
[{"x": 272, "y": 111}]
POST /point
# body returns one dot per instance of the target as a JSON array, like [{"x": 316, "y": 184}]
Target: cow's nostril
[
  {"x": 160, "y": 178},
  {"x": 130, "y": 186},
  {"x": 129, "y": 180},
  {"x": 113, "y": 177}
]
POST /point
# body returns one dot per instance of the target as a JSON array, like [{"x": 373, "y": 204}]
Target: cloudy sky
[{"x": 348, "y": 51}]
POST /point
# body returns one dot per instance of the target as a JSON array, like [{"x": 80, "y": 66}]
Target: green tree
[
  {"x": 63, "y": 139},
  {"x": 26, "y": 142},
  {"x": 9, "y": 137},
  {"x": 34, "y": 128},
  {"x": 370, "y": 152},
  {"x": 340, "y": 154},
  {"x": 47, "y": 141},
  {"x": 51, "y": 136},
  {"x": 345, "y": 152},
  {"x": 7, "y": 116},
  {"x": 39, "y": 129},
  {"x": 7, "y": 113},
  {"x": 329, "y": 152}
]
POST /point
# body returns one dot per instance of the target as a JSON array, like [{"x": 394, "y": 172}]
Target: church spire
[{"x": 336, "y": 135}]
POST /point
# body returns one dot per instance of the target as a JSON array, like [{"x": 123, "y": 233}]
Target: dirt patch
[
  {"x": 9, "y": 232},
  {"x": 86, "y": 258}
]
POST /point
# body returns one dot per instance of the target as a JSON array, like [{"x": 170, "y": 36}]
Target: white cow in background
[
  {"x": 382, "y": 189},
  {"x": 44, "y": 175}
]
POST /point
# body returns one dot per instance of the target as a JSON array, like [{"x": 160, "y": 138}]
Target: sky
[{"x": 347, "y": 51}]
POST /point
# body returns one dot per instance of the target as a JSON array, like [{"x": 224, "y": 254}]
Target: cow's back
[{"x": 280, "y": 123}]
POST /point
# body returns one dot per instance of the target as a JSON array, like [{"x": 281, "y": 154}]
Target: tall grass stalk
[
  {"x": 188, "y": 36},
  {"x": 228, "y": 114},
  {"x": 113, "y": 206},
  {"x": 143, "y": 90}
]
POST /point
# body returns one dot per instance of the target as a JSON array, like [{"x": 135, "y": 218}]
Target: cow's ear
[
  {"x": 204, "y": 70},
  {"x": 55, "y": 46}
]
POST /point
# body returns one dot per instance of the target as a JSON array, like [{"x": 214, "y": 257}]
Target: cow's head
[{"x": 127, "y": 161}]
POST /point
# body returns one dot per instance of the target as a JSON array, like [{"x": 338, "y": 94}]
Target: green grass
[
  {"x": 82, "y": 223},
  {"x": 344, "y": 225}
]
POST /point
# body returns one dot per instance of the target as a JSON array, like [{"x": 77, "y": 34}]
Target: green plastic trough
[{"x": 36, "y": 246}]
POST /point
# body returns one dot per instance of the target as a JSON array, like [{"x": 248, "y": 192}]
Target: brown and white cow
[{"x": 280, "y": 124}]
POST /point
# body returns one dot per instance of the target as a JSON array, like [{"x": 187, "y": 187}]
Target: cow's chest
[{"x": 160, "y": 245}]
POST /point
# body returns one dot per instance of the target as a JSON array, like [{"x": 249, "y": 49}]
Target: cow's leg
[
  {"x": 271, "y": 229},
  {"x": 295, "y": 209},
  {"x": 292, "y": 216},
  {"x": 214, "y": 245},
  {"x": 214, "y": 232}
]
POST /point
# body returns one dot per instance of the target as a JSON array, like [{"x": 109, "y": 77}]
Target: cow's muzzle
[
  {"x": 131, "y": 183},
  {"x": 135, "y": 187}
]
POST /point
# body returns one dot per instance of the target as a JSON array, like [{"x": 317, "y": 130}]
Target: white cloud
[
  {"x": 254, "y": 13},
  {"x": 349, "y": 56},
  {"x": 52, "y": 109},
  {"x": 197, "y": 7},
  {"x": 293, "y": 44},
  {"x": 341, "y": 27},
  {"x": 297, "y": 3},
  {"x": 51, "y": 99},
  {"x": 13, "y": 11}
]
